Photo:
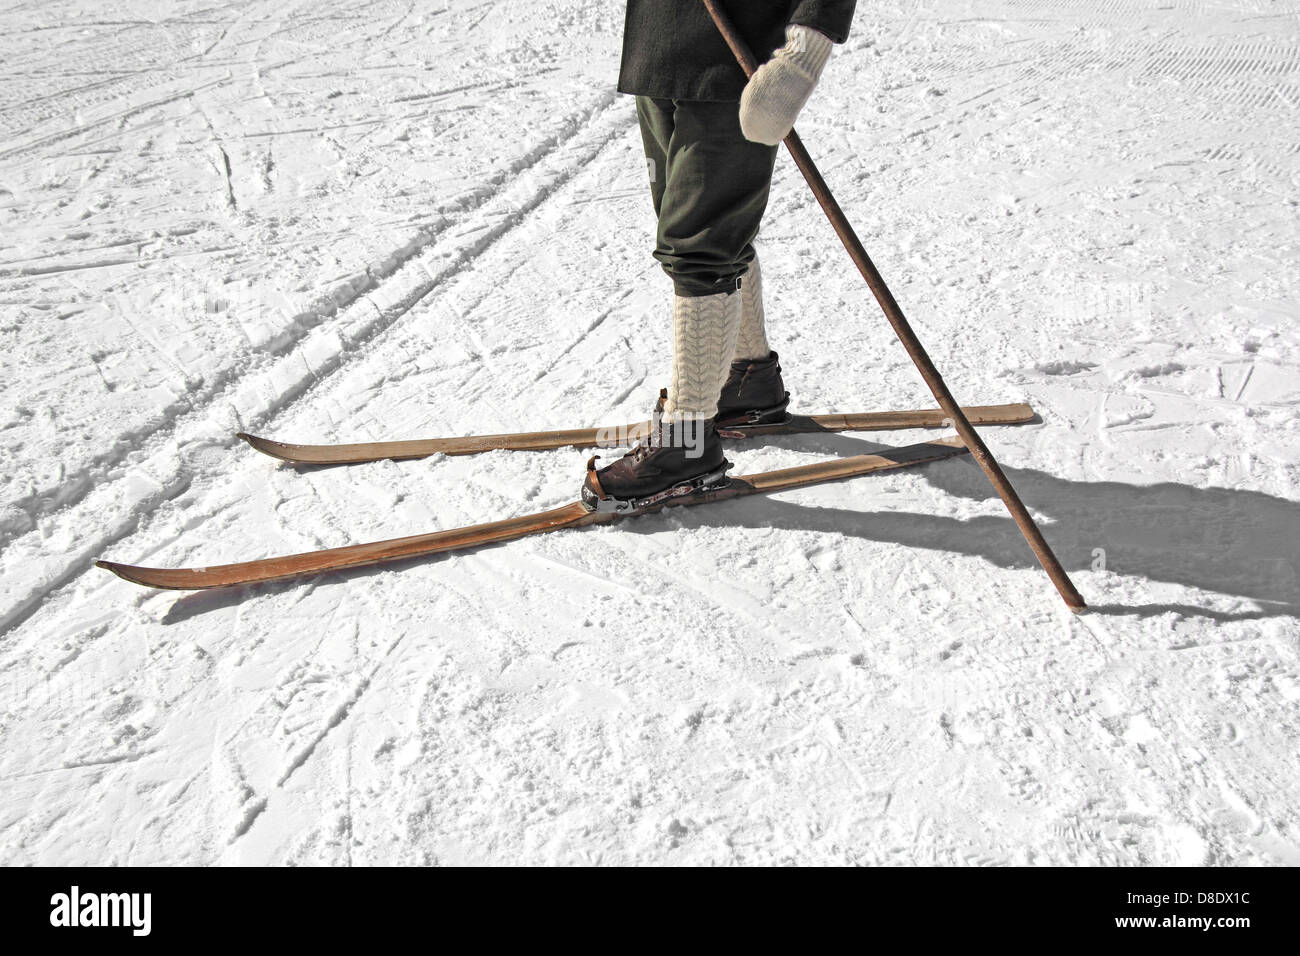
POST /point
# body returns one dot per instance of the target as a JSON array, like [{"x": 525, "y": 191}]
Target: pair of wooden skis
[{"x": 573, "y": 515}]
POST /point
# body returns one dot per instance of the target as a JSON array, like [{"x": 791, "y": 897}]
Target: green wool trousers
[{"x": 709, "y": 186}]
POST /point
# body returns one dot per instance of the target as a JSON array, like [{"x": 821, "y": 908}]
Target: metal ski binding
[{"x": 709, "y": 481}]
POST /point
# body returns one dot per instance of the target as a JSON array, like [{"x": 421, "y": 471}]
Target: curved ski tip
[
  {"x": 255, "y": 440},
  {"x": 121, "y": 570},
  {"x": 145, "y": 577},
  {"x": 267, "y": 446}
]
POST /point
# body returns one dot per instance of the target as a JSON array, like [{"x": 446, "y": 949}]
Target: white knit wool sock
[
  {"x": 704, "y": 340},
  {"x": 751, "y": 342},
  {"x": 778, "y": 90}
]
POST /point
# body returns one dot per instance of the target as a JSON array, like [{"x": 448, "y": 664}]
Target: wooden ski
[
  {"x": 573, "y": 515},
  {"x": 619, "y": 436}
]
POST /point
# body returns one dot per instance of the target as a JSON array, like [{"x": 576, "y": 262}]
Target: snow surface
[{"x": 355, "y": 220}]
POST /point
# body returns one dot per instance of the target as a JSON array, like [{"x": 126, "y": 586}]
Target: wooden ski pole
[{"x": 978, "y": 450}]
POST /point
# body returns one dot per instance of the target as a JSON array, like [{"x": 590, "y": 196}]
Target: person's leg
[
  {"x": 716, "y": 185},
  {"x": 752, "y": 341},
  {"x": 709, "y": 186},
  {"x": 655, "y": 118},
  {"x": 657, "y": 123},
  {"x": 704, "y": 340},
  {"x": 754, "y": 392}
]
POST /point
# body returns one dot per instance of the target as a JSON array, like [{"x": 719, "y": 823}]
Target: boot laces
[{"x": 655, "y": 439}]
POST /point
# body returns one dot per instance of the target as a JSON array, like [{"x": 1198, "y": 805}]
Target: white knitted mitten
[
  {"x": 780, "y": 87},
  {"x": 751, "y": 343},
  {"x": 704, "y": 339}
]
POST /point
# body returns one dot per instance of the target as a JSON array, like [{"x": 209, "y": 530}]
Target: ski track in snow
[{"x": 343, "y": 221}]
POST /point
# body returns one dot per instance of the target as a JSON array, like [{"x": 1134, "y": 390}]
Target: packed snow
[{"x": 347, "y": 221}]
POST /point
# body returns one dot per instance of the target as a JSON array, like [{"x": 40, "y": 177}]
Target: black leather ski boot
[
  {"x": 680, "y": 457},
  {"x": 753, "y": 394}
]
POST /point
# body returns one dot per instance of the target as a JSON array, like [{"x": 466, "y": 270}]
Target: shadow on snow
[{"x": 1241, "y": 543}]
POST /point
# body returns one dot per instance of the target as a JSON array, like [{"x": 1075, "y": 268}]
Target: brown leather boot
[
  {"x": 679, "y": 457},
  {"x": 753, "y": 394}
]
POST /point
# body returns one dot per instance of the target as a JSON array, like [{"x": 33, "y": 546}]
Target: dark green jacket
[{"x": 672, "y": 49}]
